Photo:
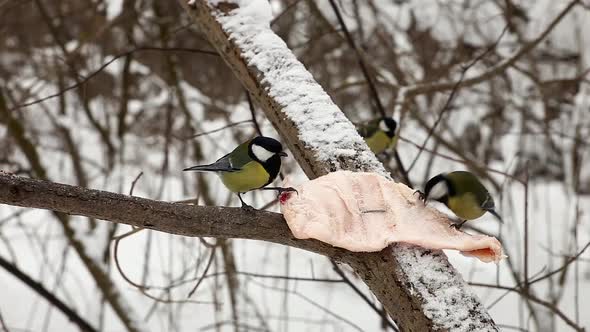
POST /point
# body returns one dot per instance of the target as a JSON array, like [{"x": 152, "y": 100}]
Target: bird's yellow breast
[
  {"x": 251, "y": 176},
  {"x": 379, "y": 142},
  {"x": 465, "y": 206}
]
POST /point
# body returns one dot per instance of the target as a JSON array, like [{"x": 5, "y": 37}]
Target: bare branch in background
[
  {"x": 103, "y": 66},
  {"x": 103, "y": 281},
  {"x": 82, "y": 324}
]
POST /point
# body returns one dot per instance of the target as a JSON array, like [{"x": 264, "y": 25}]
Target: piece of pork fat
[{"x": 366, "y": 212}]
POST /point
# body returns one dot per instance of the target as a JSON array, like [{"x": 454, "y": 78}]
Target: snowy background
[{"x": 153, "y": 104}]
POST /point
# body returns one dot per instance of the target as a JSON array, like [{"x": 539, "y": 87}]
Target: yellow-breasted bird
[
  {"x": 252, "y": 165},
  {"x": 379, "y": 134},
  {"x": 462, "y": 193}
]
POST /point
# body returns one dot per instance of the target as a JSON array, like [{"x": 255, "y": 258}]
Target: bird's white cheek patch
[
  {"x": 383, "y": 126},
  {"x": 261, "y": 153},
  {"x": 439, "y": 190},
  {"x": 366, "y": 212}
]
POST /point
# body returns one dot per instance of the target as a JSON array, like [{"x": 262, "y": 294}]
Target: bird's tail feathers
[
  {"x": 203, "y": 168},
  {"x": 495, "y": 214}
]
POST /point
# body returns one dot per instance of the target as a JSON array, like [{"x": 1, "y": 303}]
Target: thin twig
[
  {"x": 526, "y": 227},
  {"x": 454, "y": 91},
  {"x": 246, "y": 274},
  {"x": 540, "y": 278},
  {"x": 116, "y": 258},
  {"x": 3, "y": 324},
  {"x": 372, "y": 87},
  {"x": 233, "y": 124},
  {"x": 46, "y": 294},
  {"x": 312, "y": 302},
  {"x": 204, "y": 273},
  {"x": 361, "y": 62},
  {"x": 275, "y": 276},
  {"x": 462, "y": 161},
  {"x": 565, "y": 265},
  {"x": 106, "y": 64},
  {"x": 143, "y": 288},
  {"x": 400, "y": 164},
  {"x": 134, "y": 182},
  {"x": 576, "y": 266},
  {"x": 418, "y": 89},
  {"x": 516, "y": 328},
  {"x": 379, "y": 312},
  {"x": 535, "y": 299},
  {"x": 253, "y": 113},
  {"x": 276, "y": 18}
]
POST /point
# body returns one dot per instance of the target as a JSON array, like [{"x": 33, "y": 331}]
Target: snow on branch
[{"x": 316, "y": 131}]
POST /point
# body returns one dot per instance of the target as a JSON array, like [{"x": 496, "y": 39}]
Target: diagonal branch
[{"x": 361, "y": 62}]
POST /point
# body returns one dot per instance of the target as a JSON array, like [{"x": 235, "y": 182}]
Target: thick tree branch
[
  {"x": 221, "y": 222},
  {"x": 174, "y": 218},
  {"x": 418, "y": 287}
]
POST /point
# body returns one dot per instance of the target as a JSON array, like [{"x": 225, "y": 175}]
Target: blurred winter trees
[{"x": 93, "y": 93}]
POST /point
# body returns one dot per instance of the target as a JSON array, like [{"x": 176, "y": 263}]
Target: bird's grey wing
[
  {"x": 222, "y": 164},
  {"x": 225, "y": 164},
  {"x": 239, "y": 156},
  {"x": 367, "y": 129}
]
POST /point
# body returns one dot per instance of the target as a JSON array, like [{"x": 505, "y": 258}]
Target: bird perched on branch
[
  {"x": 252, "y": 165},
  {"x": 462, "y": 193},
  {"x": 379, "y": 134}
]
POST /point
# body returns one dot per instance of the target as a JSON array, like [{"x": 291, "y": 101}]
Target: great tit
[
  {"x": 252, "y": 165},
  {"x": 379, "y": 134},
  {"x": 461, "y": 192}
]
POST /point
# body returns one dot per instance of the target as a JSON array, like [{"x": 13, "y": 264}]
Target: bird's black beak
[
  {"x": 495, "y": 214},
  {"x": 283, "y": 154}
]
